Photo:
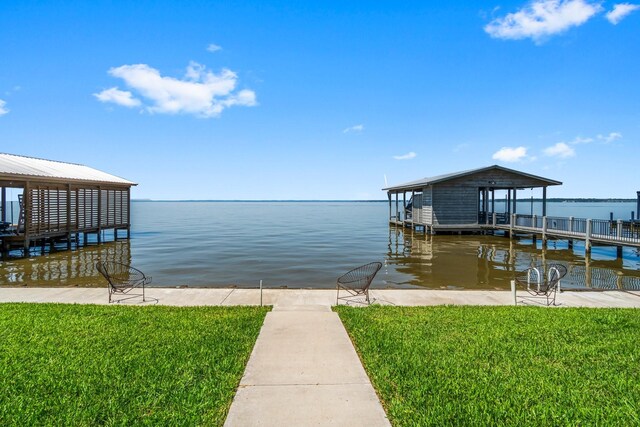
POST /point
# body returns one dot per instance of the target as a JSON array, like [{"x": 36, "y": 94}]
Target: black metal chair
[
  {"x": 356, "y": 282},
  {"x": 541, "y": 285},
  {"x": 123, "y": 280}
]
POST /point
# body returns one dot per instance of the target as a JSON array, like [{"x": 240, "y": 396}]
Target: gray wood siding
[
  {"x": 427, "y": 206},
  {"x": 416, "y": 208},
  {"x": 454, "y": 205}
]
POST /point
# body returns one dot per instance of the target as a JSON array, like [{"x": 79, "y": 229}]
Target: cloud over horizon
[
  {"x": 620, "y": 11},
  {"x": 200, "y": 92},
  {"x": 565, "y": 150},
  {"x": 510, "y": 154},
  {"x": 610, "y": 138},
  {"x": 541, "y": 19},
  {"x": 410, "y": 155},
  {"x": 213, "y": 47},
  {"x": 560, "y": 149},
  {"x": 354, "y": 129},
  {"x": 3, "y": 109}
]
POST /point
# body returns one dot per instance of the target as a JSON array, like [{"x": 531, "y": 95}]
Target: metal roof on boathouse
[
  {"x": 16, "y": 168},
  {"x": 526, "y": 180}
]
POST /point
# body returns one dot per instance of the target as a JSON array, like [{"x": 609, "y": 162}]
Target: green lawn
[
  {"x": 501, "y": 365},
  {"x": 89, "y": 365}
]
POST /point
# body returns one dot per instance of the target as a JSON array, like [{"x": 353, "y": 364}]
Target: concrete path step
[{"x": 304, "y": 371}]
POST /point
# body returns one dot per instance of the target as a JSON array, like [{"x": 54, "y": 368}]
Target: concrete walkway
[
  {"x": 312, "y": 297},
  {"x": 304, "y": 371}
]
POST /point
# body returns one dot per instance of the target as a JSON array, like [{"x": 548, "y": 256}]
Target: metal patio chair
[
  {"x": 123, "y": 280},
  {"x": 356, "y": 282},
  {"x": 539, "y": 285}
]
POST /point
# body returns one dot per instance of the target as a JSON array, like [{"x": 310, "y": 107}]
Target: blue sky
[{"x": 323, "y": 100}]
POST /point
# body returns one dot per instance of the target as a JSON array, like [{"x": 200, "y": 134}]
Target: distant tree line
[{"x": 583, "y": 200}]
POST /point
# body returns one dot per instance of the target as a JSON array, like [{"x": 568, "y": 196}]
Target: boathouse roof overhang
[
  {"x": 502, "y": 181},
  {"x": 16, "y": 170}
]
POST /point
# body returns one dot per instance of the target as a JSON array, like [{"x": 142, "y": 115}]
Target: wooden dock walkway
[{"x": 592, "y": 231}]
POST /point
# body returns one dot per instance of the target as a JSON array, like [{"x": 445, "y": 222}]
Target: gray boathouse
[
  {"x": 461, "y": 201},
  {"x": 58, "y": 202}
]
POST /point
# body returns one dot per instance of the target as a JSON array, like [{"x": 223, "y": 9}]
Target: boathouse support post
[
  {"x": 404, "y": 204},
  {"x": 544, "y": 231},
  {"x": 515, "y": 201},
  {"x": 77, "y": 227},
  {"x": 26, "y": 212},
  {"x": 544, "y": 201},
  {"x": 619, "y": 229},
  {"x": 129, "y": 213},
  {"x": 493, "y": 202},
  {"x": 493, "y": 219},
  {"x": 486, "y": 206},
  {"x": 587, "y": 240},
  {"x": 512, "y": 223},
  {"x": 534, "y": 221},
  {"x": 99, "y": 214},
  {"x": 389, "y": 197},
  {"x": 4, "y": 204},
  {"x": 397, "y": 217},
  {"x": 413, "y": 205},
  {"x": 571, "y": 224},
  {"x": 68, "y": 217}
]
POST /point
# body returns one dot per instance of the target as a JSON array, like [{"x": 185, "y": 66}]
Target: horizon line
[{"x": 603, "y": 199}]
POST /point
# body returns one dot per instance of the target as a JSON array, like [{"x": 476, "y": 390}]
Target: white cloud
[
  {"x": 620, "y": 11},
  {"x": 579, "y": 140},
  {"x": 410, "y": 155},
  {"x": 510, "y": 154},
  {"x": 201, "y": 92},
  {"x": 214, "y": 47},
  {"x": 12, "y": 90},
  {"x": 542, "y": 19},
  {"x": 117, "y": 96},
  {"x": 3, "y": 109},
  {"x": 561, "y": 150},
  {"x": 610, "y": 138},
  {"x": 354, "y": 129},
  {"x": 460, "y": 147}
]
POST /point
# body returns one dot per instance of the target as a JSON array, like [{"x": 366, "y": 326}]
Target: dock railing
[{"x": 616, "y": 231}]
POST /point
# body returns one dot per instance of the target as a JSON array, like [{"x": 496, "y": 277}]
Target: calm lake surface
[{"x": 309, "y": 244}]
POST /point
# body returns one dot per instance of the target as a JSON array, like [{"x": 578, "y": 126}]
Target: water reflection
[
  {"x": 491, "y": 262},
  {"x": 292, "y": 249},
  {"x": 64, "y": 268}
]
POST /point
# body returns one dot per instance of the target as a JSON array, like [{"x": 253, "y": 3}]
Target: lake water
[{"x": 309, "y": 244}]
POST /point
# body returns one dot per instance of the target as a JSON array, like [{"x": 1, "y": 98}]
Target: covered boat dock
[
  {"x": 461, "y": 201},
  {"x": 466, "y": 202},
  {"x": 60, "y": 202}
]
